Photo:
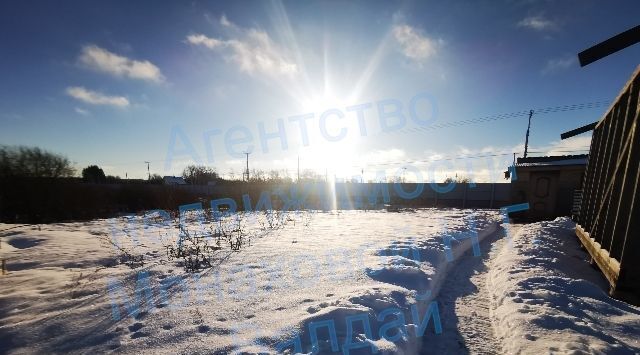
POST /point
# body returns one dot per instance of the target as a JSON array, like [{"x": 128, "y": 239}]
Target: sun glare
[{"x": 335, "y": 157}]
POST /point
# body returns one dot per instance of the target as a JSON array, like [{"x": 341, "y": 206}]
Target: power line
[
  {"x": 469, "y": 156},
  {"x": 491, "y": 118},
  {"x": 437, "y": 160},
  {"x": 511, "y": 115}
]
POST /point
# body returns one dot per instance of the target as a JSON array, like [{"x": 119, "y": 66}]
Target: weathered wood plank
[{"x": 610, "y": 267}]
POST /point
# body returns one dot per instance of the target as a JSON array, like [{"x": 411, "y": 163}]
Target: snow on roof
[
  {"x": 582, "y": 161},
  {"x": 563, "y": 160}
]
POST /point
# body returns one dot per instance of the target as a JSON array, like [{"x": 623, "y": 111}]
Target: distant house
[
  {"x": 548, "y": 184},
  {"x": 173, "y": 180}
]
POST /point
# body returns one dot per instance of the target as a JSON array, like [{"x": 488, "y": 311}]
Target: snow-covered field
[{"x": 383, "y": 281}]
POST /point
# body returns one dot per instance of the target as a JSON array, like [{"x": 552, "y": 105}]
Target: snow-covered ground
[
  {"x": 546, "y": 298},
  {"x": 349, "y": 281}
]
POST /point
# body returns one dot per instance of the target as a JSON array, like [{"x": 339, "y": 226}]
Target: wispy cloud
[
  {"x": 252, "y": 50},
  {"x": 202, "y": 40},
  {"x": 557, "y": 64},
  {"x": 538, "y": 23},
  {"x": 225, "y": 22},
  {"x": 414, "y": 44},
  {"x": 81, "y": 111},
  {"x": 96, "y": 98},
  {"x": 100, "y": 59}
]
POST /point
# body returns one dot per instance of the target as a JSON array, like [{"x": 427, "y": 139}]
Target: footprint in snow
[
  {"x": 137, "y": 335},
  {"x": 135, "y": 327},
  {"x": 141, "y": 315}
]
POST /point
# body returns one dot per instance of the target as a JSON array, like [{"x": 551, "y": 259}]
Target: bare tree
[
  {"x": 311, "y": 176},
  {"x": 274, "y": 175},
  {"x": 258, "y": 175},
  {"x": 199, "y": 174},
  {"x": 33, "y": 162},
  {"x": 457, "y": 180}
]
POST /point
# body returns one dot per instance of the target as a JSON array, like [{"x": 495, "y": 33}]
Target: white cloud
[
  {"x": 537, "y": 23},
  {"x": 82, "y": 112},
  {"x": 257, "y": 53},
  {"x": 557, "y": 64},
  {"x": 414, "y": 44},
  {"x": 96, "y": 98},
  {"x": 102, "y": 60},
  {"x": 251, "y": 49},
  {"x": 202, "y": 40},
  {"x": 574, "y": 145}
]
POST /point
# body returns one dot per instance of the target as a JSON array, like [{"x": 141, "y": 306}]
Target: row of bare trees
[
  {"x": 33, "y": 162},
  {"x": 203, "y": 175}
]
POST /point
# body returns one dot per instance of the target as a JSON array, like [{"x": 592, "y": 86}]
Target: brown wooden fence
[{"x": 609, "y": 217}]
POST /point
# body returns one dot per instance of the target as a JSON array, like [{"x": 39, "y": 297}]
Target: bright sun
[{"x": 335, "y": 156}]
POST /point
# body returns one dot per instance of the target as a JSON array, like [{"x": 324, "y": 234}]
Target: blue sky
[{"x": 111, "y": 83}]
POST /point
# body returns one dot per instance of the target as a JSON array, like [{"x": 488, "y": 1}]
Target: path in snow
[{"x": 464, "y": 306}]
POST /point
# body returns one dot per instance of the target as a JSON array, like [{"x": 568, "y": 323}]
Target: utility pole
[
  {"x": 298, "y": 168},
  {"x": 247, "y": 172},
  {"x": 148, "y": 171},
  {"x": 526, "y": 141}
]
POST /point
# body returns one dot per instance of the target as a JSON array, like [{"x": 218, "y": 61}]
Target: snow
[
  {"x": 348, "y": 268},
  {"x": 545, "y": 297},
  {"x": 580, "y": 161},
  {"x": 328, "y": 266}
]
